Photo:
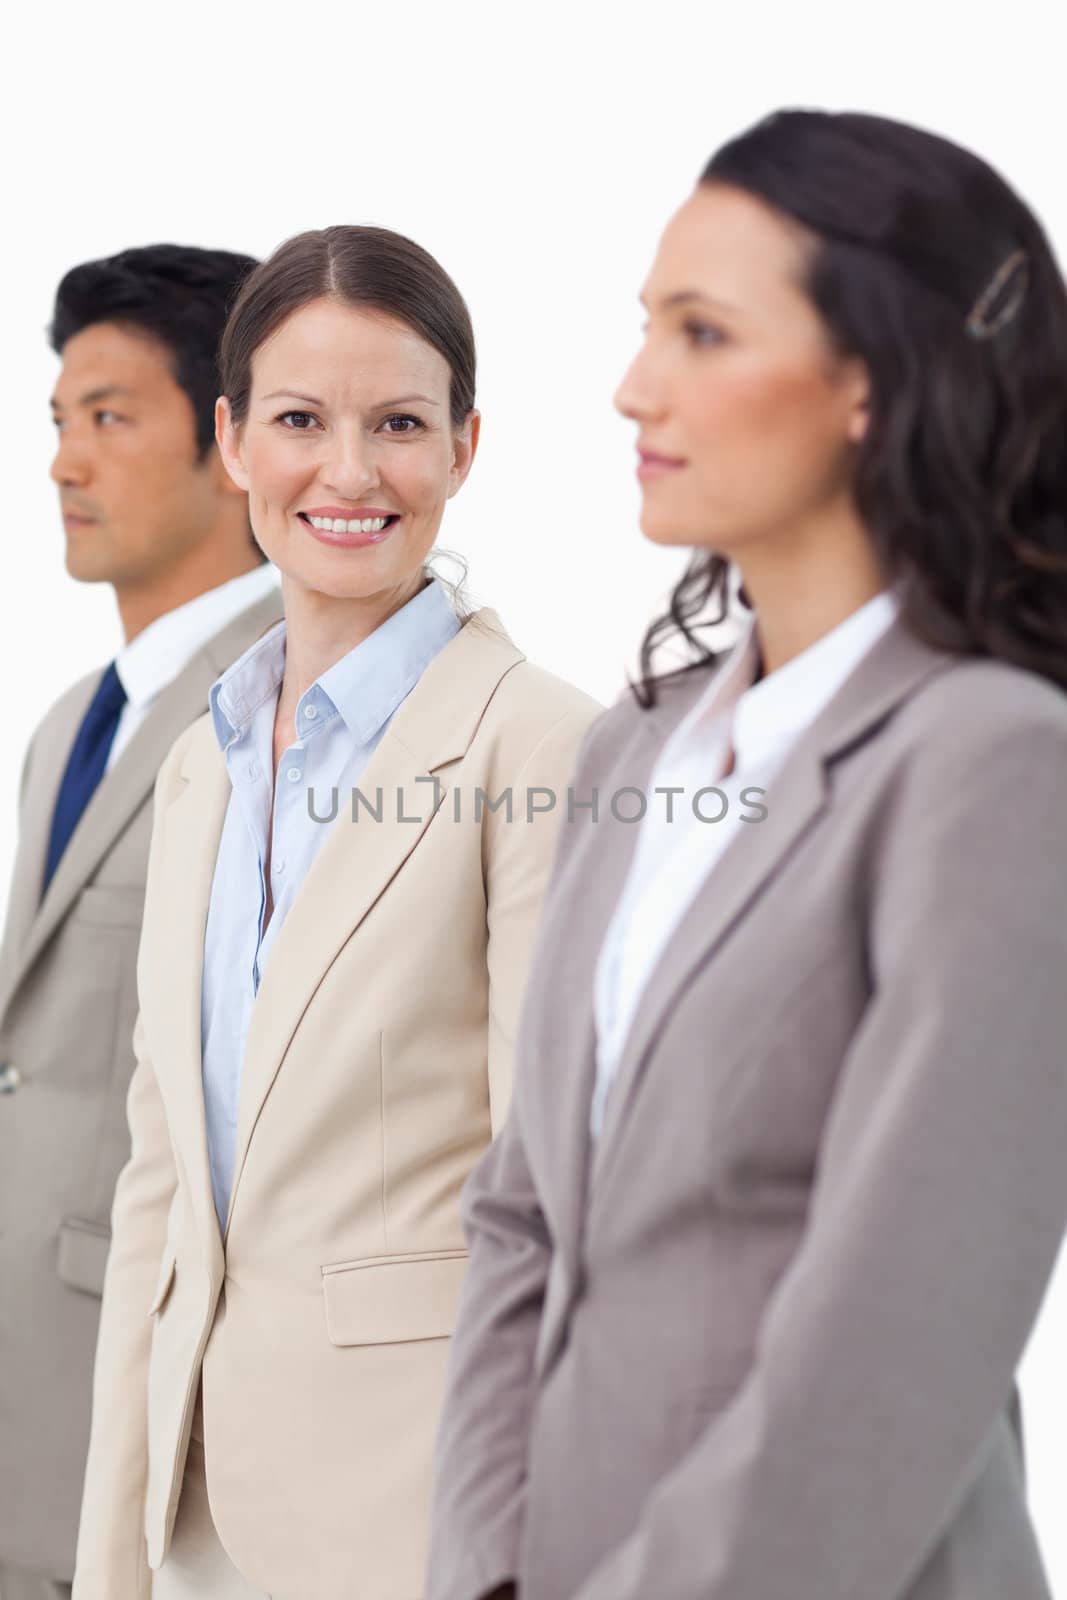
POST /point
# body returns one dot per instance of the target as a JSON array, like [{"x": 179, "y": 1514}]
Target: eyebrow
[
  {"x": 683, "y": 297},
  {"x": 310, "y": 399},
  {"x": 106, "y": 391}
]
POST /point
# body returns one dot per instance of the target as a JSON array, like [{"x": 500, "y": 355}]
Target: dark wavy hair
[
  {"x": 180, "y": 294},
  {"x": 961, "y": 479}
]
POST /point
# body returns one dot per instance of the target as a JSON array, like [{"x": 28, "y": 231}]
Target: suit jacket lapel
[
  {"x": 51, "y": 748},
  {"x": 357, "y": 860},
  {"x": 561, "y": 1024},
  {"x": 894, "y": 669},
  {"x": 125, "y": 787}
]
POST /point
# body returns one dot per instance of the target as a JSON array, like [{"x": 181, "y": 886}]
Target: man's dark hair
[{"x": 179, "y": 294}]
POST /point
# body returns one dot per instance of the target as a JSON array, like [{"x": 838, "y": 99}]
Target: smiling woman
[
  {"x": 326, "y": 1012},
  {"x": 349, "y": 400}
]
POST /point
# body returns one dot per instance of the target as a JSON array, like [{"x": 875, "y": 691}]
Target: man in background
[{"x": 148, "y": 508}]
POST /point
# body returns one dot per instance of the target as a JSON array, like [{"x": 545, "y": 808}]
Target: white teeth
[{"x": 356, "y": 525}]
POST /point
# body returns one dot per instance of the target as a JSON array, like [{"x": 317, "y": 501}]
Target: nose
[
  {"x": 70, "y": 467},
  {"x": 351, "y": 469},
  {"x": 640, "y": 394}
]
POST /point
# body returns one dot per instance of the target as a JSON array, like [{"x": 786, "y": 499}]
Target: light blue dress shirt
[{"x": 340, "y": 721}]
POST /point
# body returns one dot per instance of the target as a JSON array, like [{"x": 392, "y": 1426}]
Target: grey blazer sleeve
[
  {"x": 888, "y": 1349},
  {"x": 480, "y": 1464}
]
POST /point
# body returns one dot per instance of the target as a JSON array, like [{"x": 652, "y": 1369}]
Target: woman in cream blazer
[
  {"x": 758, "y": 1251},
  {"x": 321, "y": 1062}
]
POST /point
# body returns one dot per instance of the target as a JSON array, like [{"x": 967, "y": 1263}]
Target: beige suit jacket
[
  {"x": 759, "y": 1343},
  {"x": 378, "y": 1065},
  {"x": 67, "y": 1006}
]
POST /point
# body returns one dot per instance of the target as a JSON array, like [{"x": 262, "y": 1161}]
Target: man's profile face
[{"x": 135, "y": 498}]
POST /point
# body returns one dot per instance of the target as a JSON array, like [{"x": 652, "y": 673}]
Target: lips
[
  {"x": 349, "y": 532},
  {"x": 652, "y": 464}
]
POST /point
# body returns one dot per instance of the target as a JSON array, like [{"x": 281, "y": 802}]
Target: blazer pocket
[
  {"x": 166, "y": 1278},
  {"x": 393, "y": 1299},
  {"x": 82, "y": 1258},
  {"x": 109, "y": 906}
]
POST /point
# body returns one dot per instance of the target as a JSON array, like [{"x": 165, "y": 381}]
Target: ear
[
  {"x": 464, "y": 449},
  {"x": 859, "y": 405},
  {"x": 228, "y": 438},
  {"x": 221, "y": 479}
]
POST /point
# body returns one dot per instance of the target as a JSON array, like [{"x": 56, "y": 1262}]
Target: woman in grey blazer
[{"x": 756, "y": 1255}]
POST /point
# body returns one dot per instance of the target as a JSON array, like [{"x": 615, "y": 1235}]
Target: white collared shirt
[
  {"x": 159, "y": 652},
  {"x": 678, "y": 842}
]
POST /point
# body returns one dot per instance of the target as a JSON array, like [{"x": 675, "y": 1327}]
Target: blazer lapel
[
  {"x": 170, "y": 971},
  {"x": 125, "y": 787},
  {"x": 358, "y": 859},
  {"x": 561, "y": 1006},
  {"x": 52, "y": 746},
  {"x": 560, "y": 1023},
  {"x": 894, "y": 668}
]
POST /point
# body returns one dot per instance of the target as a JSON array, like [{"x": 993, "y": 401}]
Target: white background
[{"x": 536, "y": 153}]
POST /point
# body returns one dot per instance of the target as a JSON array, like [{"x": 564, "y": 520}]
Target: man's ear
[
  {"x": 228, "y": 439},
  {"x": 464, "y": 449}
]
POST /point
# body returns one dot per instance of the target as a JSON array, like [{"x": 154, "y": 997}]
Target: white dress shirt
[
  {"x": 154, "y": 658},
  {"x": 678, "y": 843},
  {"x": 340, "y": 721}
]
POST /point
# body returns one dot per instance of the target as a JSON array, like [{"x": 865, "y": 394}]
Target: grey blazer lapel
[
  {"x": 124, "y": 789},
  {"x": 897, "y": 665}
]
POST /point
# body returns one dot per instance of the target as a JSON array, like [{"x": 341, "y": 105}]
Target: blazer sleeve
[
  {"x": 886, "y": 1354},
  {"x": 111, "y": 1561},
  {"x": 481, "y": 1445}
]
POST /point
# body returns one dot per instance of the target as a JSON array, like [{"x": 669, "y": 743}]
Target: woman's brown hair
[{"x": 361, "y": 266}]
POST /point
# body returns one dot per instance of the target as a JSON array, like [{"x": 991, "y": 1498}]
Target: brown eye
[
  {"x": 702, "y": 333},
  {"x": 298, "y": 421}
]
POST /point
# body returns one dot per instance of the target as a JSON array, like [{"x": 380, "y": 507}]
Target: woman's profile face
[
  {"x": 347, "y": 451},
  {"x": 746, "y": 416}
]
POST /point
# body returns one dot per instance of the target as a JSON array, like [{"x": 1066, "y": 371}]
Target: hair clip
[{"x": 978, "y": 325}]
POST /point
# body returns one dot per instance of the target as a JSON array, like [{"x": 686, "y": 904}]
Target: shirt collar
[
  {"x": 364, "y": 687},
  {"x": 158, "y": 653},
  {"x": 769, "y": 714}
]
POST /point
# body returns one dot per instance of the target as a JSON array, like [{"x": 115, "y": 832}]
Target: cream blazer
[{"x": 377, "y": 1069}]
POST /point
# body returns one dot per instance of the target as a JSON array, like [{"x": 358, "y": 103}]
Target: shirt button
[
  {"x": 279, "y": 865},
  {"x": 293, "y": 774},
  {"x": 311, "y": 712}
]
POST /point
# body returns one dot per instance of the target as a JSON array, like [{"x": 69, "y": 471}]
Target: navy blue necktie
[{"x": 85, "y": 765}]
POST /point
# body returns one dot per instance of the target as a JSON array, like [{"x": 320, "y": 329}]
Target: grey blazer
[
  {"x": 68, "y": 999},
  {"x": 761, "y": 1344}
]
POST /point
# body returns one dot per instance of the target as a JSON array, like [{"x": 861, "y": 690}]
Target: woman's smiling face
[{"x": 347, "y": 452}]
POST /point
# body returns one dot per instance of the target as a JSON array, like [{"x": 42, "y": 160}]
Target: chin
[
  {"x": 86, "y": 571},
  {"x": 659, "y": 529}
]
